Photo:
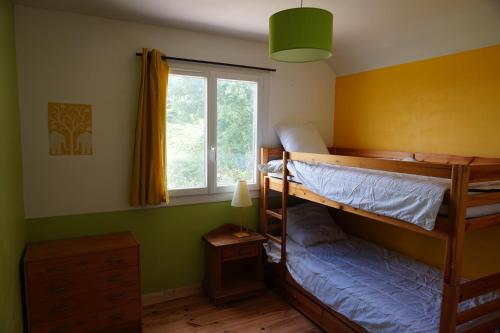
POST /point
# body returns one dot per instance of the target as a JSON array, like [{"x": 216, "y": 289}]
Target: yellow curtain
[{"x": 149, "y": 170}]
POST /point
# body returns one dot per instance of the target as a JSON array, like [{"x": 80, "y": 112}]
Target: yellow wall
[{"x": 449, "y": 104}]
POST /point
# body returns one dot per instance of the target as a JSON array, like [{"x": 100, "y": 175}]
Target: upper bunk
[{"x": 461, "y": 171}]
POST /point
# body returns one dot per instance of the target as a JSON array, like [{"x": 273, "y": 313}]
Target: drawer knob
[
  {"x": 57, "y": 290},
  {"x": 61, "y": 308},
  {"x": 116, "y": 260},
  {"x": 60, "y": 329},
  {"x": 116, "y": 296},
  {"x": 55, "y": 269},
  {"x": 117, "y": 316},
  {"x": 116, "y": 278}
]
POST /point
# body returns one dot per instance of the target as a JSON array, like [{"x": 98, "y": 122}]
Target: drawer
[
  {"x": 45, "y": 270},
  {"x": 125, "y": 319},
  {"x": 61, "y": 308},
  {"x": 112, "y": 260},
  {"x": 116, "y": 260},
  {"x": 120, "y": 296},
  {"x": 120, "y": 316},
  {"x": 306, "y": 305},
  {"x": 77, "y": 324},
  {"x": 65, "y": 286},
  {"x": 129, "y": 327},
  {"x": 240, "y": 251},
  {"x": 333, "y": 324}
]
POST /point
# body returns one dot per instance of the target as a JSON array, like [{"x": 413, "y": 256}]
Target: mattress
[
  {"x": 442, "y": 210},
  {"x": 381, "y": 290}
]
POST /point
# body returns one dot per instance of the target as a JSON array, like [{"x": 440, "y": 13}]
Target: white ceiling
[{"x": 367, "y": 33}]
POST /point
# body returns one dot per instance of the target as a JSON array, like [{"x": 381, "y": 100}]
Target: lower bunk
[{"x": 351, "y": 285}]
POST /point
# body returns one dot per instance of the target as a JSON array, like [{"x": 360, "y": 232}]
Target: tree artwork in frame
[{"x": 70, "y": 129}]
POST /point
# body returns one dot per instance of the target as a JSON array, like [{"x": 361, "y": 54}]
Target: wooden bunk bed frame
[{"x": 451, "y": 229}]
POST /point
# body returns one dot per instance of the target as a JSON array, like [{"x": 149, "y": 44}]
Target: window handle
[{"x": 213, "y": 151}]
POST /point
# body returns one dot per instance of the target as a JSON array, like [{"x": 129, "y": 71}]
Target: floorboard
[{"x": 265, "y": 313}]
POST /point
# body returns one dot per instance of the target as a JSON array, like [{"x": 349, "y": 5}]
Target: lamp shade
[
  {"x": 241, "y": 196},
  {"x": 300, "y": 35}
]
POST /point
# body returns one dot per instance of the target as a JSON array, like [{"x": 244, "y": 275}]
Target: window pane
[
  {"x": 186, "y": 131},
  {"x": 236, "y": 131}
]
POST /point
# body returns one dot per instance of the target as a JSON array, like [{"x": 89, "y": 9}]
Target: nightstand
[{"x": 233, "y": 265}]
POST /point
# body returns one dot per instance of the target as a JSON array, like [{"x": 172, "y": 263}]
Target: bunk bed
[{"x": 450, "y": 228}]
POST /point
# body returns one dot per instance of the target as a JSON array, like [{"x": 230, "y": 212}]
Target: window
[
  {"x": 212, "y": 131},
  {"x": 186, "y": 132},
  {"x": 236, "y": 129}
]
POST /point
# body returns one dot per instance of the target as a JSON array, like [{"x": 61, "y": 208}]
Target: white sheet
[
  {"x": 472, "y": 212},
  {"x": 381, "y": 290},
  {"x": 415, "y": 199}
]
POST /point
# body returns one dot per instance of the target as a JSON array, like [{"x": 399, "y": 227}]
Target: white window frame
[
  {"x": 213, "y": 127},
  {"x": 194, "y": 190},
  {"x": 212, "y": 192}
]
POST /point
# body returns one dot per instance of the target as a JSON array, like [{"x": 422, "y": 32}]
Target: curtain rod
[{"x": 215, "y": 63}]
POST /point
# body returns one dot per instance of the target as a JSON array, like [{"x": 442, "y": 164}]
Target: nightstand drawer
[
  {"x": 240, "y": 251},
  {"x": 248, "y": 250}
]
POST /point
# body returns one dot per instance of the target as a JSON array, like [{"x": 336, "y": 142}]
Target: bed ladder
[
  {"x": 454, "y": 291},
  {"x": 266, "y": 213}
]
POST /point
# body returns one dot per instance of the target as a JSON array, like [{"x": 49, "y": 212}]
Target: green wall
[
  {"x": 12, "y": 225},
  {"x": 170, "y": 238}
]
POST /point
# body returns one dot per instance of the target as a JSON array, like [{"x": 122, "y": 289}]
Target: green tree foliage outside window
[
  {"x": 236, "y": 114},
  {"x": 186, "y": 127},
  {"x": 236, "y": 107}
]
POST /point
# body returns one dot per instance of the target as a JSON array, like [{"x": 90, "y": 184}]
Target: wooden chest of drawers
[{"x": 89, "y": 284}]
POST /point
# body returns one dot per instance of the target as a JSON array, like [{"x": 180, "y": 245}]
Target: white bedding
[
  {"x": 411, "y": 198},
  {"x": 381, "y": 290},
  {"x": 473, "y": 212},
  {"x": 415, "y": 199}
]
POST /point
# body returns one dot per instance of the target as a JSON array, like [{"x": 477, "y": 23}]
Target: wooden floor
[{"x": 266, "y": 313}]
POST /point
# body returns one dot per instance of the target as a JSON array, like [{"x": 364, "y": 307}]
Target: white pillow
[
  {"x": 309, "y": 224},
  {"x": 303, "y": 138},
  {"x": 273, "y": 166}
]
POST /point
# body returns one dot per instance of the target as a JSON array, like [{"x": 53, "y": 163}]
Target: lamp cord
[{"x": 301, "y": 3}]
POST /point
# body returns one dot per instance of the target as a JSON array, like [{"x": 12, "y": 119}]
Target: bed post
[
  {"x": 284, "y": 198},
  {"x": 454, "y": 248},
  {"x": 264, "y": 158}
]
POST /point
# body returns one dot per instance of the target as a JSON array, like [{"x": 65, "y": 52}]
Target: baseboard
[{"x": 171, "y": 294}]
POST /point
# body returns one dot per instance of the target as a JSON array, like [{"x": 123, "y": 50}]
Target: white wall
[{"x": 64, "y": 57}]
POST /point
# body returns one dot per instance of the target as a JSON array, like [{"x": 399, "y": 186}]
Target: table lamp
[{"x": 241, "y": 198}]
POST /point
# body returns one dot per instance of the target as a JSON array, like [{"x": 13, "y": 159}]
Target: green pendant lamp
[{"x": 300, "y": 35}]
